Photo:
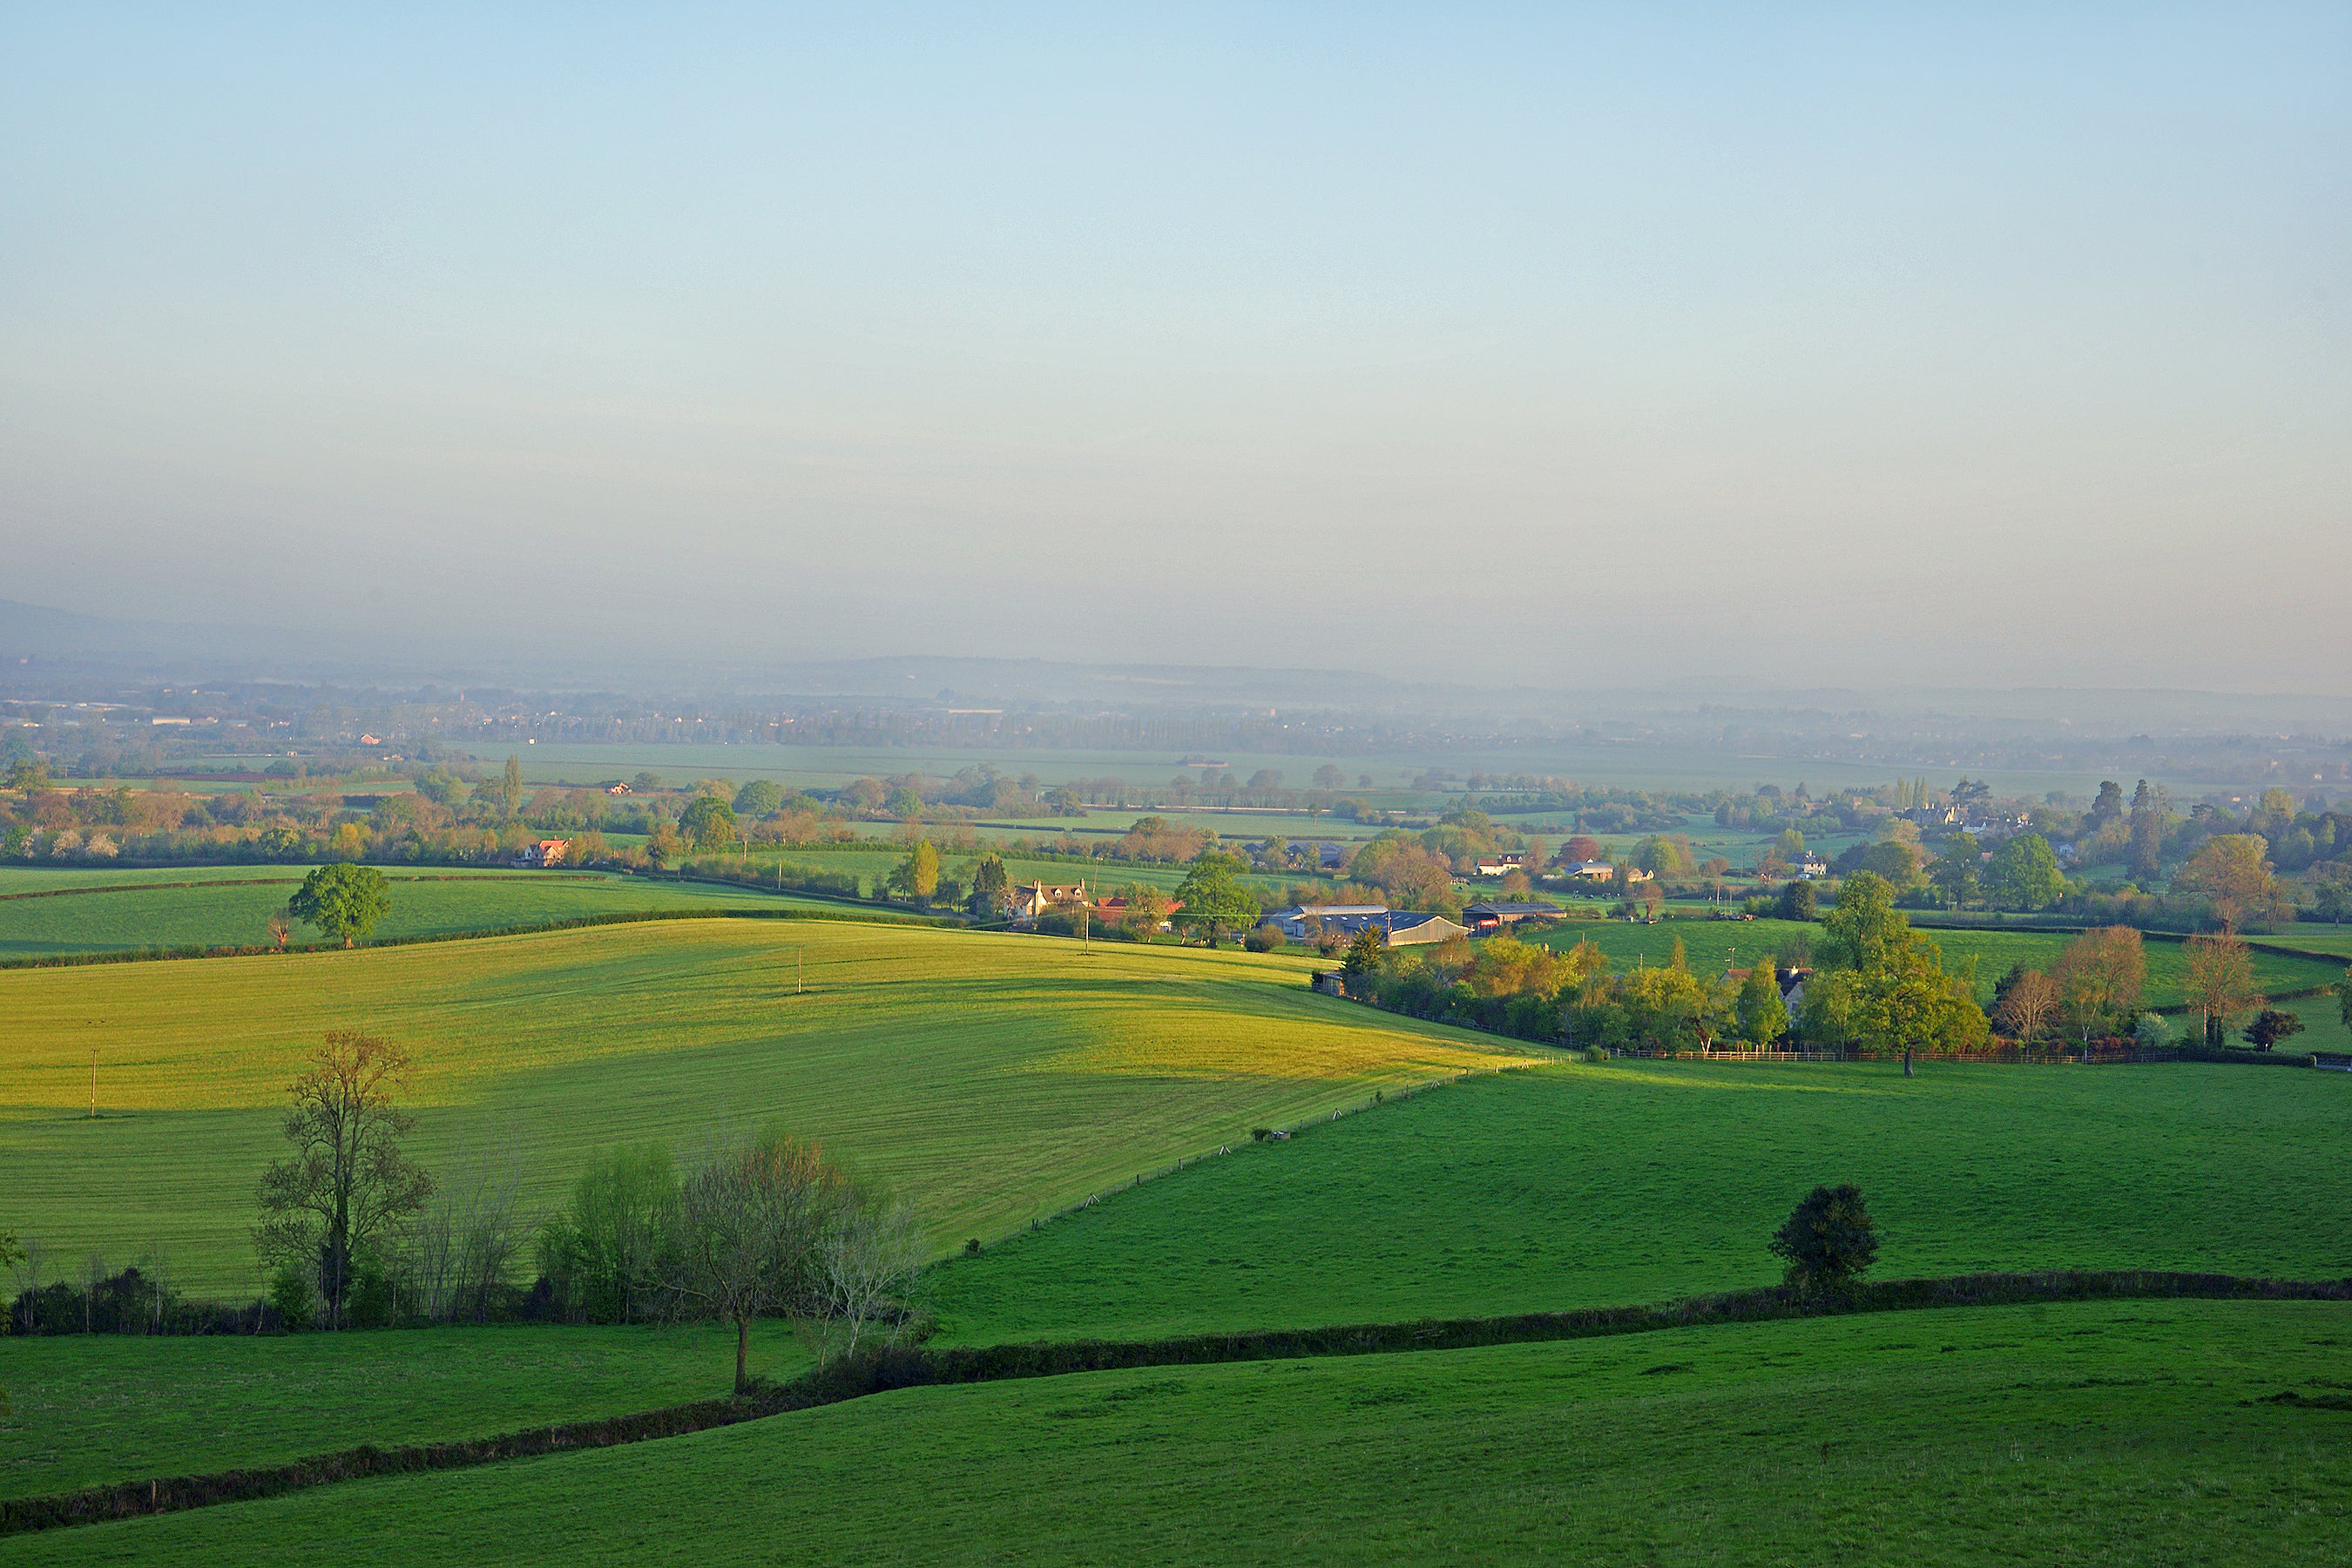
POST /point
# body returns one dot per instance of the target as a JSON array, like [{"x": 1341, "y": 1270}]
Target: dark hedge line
[{"x": 914, "y": 1366}]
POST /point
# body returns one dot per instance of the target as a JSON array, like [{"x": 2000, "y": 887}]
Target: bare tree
[
  {"x": 744, "y": 1235},
  {"x": 2029, "y": 1006},
  {"x": 2221, "y": 985},
  {"x": 31, "y": 1259},
  {"x": 463, "y": 1247},
  {"x": 347, "y": 1185},
  {"x": 870, "y": 1254},
  {"x": 2099, "y": 975}
]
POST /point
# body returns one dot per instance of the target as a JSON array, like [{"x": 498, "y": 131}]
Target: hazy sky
[{"x": 1817, "y": 346}]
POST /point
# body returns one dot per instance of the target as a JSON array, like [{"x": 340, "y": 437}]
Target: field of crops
[
  {"x": 993, "y": 1078},
  {"x": 1574, "y": 1185},
  {"x": 88, "y": 1411},
  {"x": 1713, "y": 946},
  {"x": 2134, "y": 1432},
  {"x": 110, "y": 913}
]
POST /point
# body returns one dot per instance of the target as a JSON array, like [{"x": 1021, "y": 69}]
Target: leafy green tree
[
  {"x": 28, "y": 773},
  {"x": 918, "y": 876},
  {"x": 603, "y": 1254},
  {"x": 758, "y": 798},
  {"x": 1887, "y": 988},
  {"x": 1796, "y": 903},
  {"x": 1763, "y": 1017},
  {"x": 343, "y": 900},
  {"x": 1214, "y": 902},
  {"x": 2343, "y": 989},
  {"x": 2145, "y": 857},
  {"x": 2270, "y": 1027},
  {"x": 11, "y": 1254},
  {"x": 1364, "y": 953},
  {"x": 1954, "y": 872},
  {"x": 2024, "y": 874},
  {"x": 992, "y": 887},
  {"x": 708, "y": 823},
  {"x": 510, "y": 788},
  {"x": 1830, "y": 1240}
]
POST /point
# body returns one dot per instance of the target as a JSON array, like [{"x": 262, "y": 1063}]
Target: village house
[
  {"x": 1601, "y": 871},
  {"x": 1808, "y": 866},
  {"x": 546, "y": 852},
  {"x": 1503, "y": 863},
  {"x": 1031, "y": 899},
  {"x": 618, "y": 789}
]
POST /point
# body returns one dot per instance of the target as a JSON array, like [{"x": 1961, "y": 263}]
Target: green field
[
  {"x": 114, "y": 916},
  {"x": 1715, "y": 945},
  {"x": 1575, "y": 1185},
  {"x": 993, "y": 1078},
  {"x": 2123, "y": 1433},
  {"x": 89, "y": 1411}
]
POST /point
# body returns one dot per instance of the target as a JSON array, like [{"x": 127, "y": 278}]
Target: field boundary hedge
[{"x": 915, "y": 1366}]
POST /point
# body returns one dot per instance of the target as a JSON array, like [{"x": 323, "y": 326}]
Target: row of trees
[{"x": 359, "y": 1234}]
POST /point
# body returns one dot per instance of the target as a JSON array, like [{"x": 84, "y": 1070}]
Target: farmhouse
[
  {"x": 1403, "y": 927},
  {"x": 1031, "y": 899},
  {"x": 1300, "y": 922},
  {"x": 1482, "y": 918},
  {"x": 546, "y": 852},
  {"x": 618, "y": 789},
  {"x": 1808, "y": 866},
  {"x": 1790, "y": 981},
  {"x": 1503, "y": 863},
  {"x": 1601, "y": 871},
  {"x": 1407, "y": 929}
]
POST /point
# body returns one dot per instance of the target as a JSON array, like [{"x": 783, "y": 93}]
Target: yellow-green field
[{"x": 992, "y": 1078}]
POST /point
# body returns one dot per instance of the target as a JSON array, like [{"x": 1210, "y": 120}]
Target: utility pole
[{"x": 93, "y": 1083}]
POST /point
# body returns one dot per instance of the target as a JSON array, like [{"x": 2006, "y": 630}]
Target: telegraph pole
[{"x": 93, "y": 1083}]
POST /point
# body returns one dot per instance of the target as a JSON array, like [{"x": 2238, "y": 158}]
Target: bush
[
  {"x": 1828, "y": 1241},
  {"x": 1260, "y": 1134},
  {"x": 290, "y": 1298},
  {"x": 1265, "y": 939},
  {"x": 1598, "y": 1056}
]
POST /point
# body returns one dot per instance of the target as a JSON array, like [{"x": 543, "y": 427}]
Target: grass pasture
[
  {"x": 113, "y": 916},
  {"x": 2108, "y": 1433},
  {"x": 89, "y": 1411},
  {"x": 1576, "y": 1185},
  {"x": 991, "y": 1078}
]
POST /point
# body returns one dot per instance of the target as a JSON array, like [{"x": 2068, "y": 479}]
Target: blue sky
[{"x": 1699, "y": 343}]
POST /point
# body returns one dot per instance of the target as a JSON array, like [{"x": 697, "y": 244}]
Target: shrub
[
  {"x": 1828, "y": 1241},
  {"x": 289, "y": 1297},
  {"x": 1265, "y": 939},
  {"x": 1260, "y": 1134},
  {"x": 1598, "y": 1056},
  {"x": 971, "y": 1247}
]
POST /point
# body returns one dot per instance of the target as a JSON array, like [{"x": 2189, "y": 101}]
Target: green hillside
[
  {"x": 993, "y": 1078},
  {"x": 2124, "y": 1433},
  {"x": 1581, "y": 1185}
]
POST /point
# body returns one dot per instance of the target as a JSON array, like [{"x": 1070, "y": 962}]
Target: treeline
[{"x": 359, "y": 1235}]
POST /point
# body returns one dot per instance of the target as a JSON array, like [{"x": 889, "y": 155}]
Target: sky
[{"x": 1582, "y": 346}]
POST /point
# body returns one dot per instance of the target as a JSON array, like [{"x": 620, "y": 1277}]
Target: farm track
[{"x": 916, "y": 1367}]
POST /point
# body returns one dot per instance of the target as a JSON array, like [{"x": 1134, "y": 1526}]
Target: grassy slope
[
  {"x": 992, "y": 1078},
  {"x": 93, "y": 1411},
  {"x": 1714, "y": 945},
  {"x": 1577, "y": 1185},
  {"x": 231, "y": 912},
  {"x": 2127, "y": 1433}
]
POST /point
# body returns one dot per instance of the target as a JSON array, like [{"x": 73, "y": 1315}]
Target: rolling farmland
[
  {"x": 2122, "y": 1432},
  {"x": 993, "y": 1079}
]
